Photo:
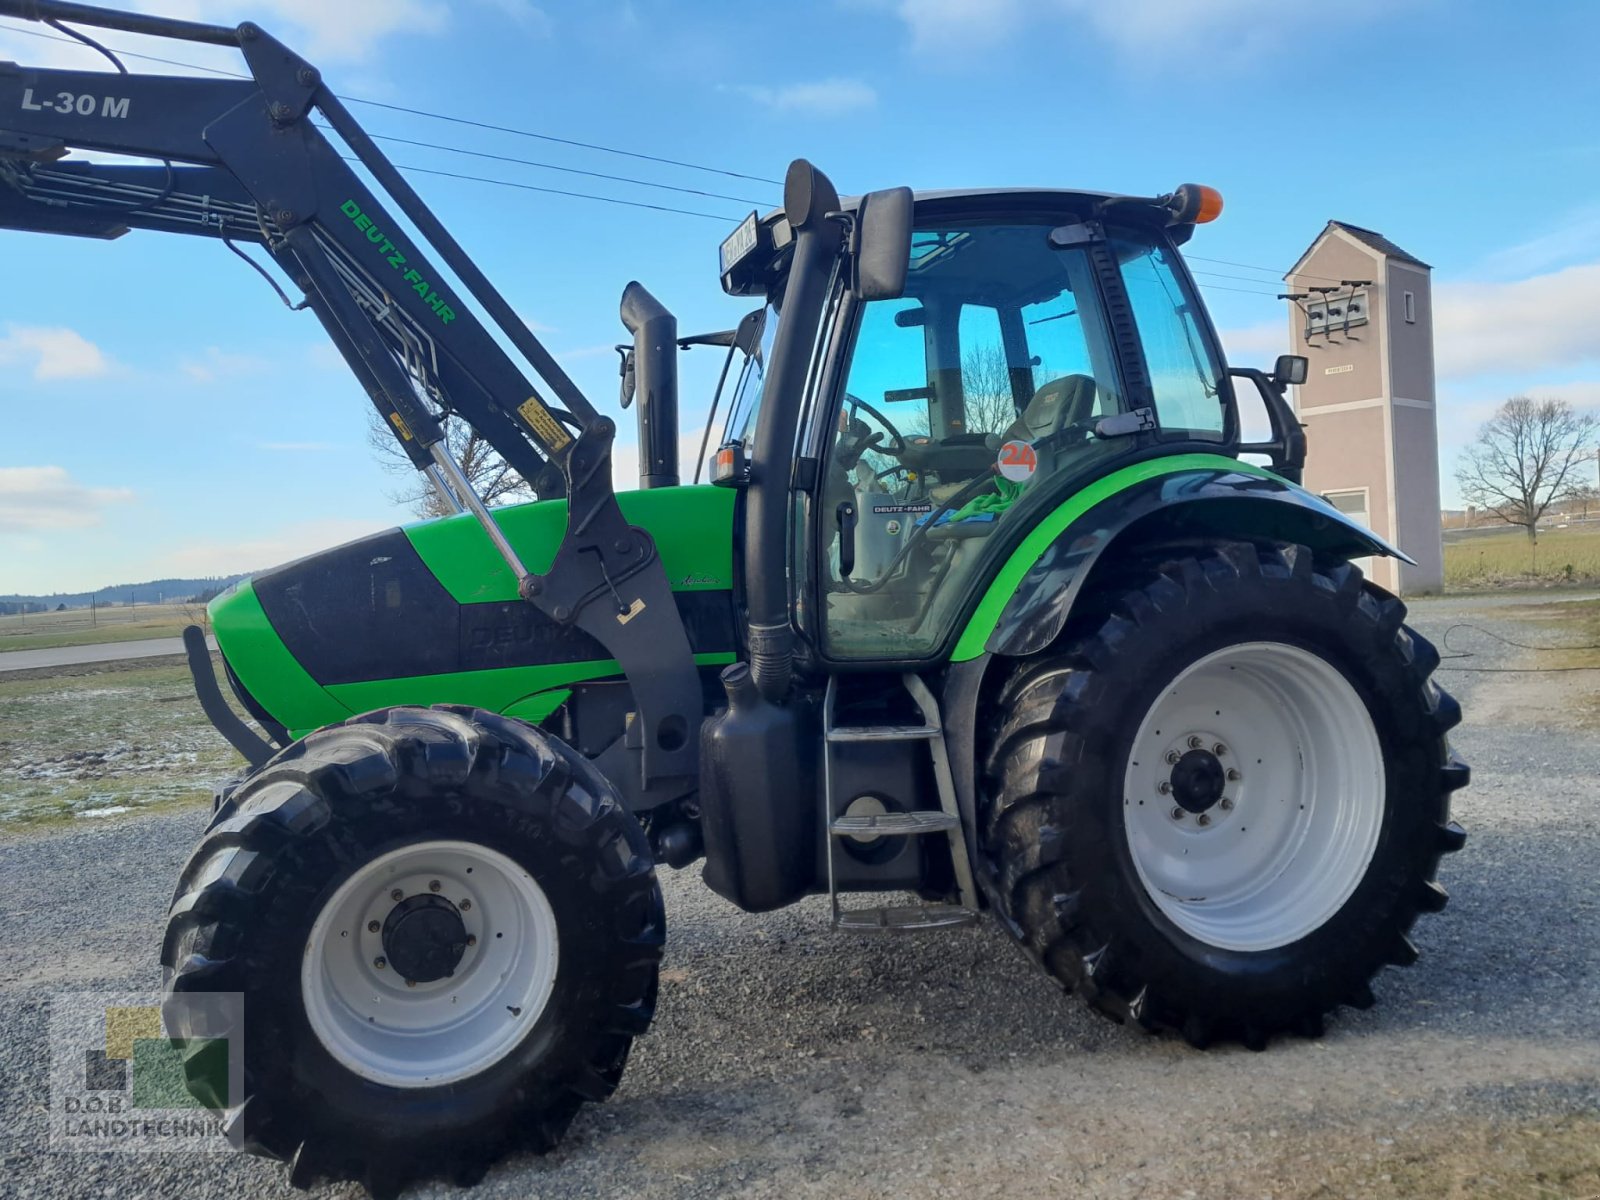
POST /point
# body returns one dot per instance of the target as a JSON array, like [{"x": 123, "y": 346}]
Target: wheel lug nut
[
  {"x": 1195, "y": 743},
  {"x": 465, "y": 905},
  {"x": 380, "y": 962},
  {"x": 373, "y": 927},
  {"x": 1219, "y": 749},
  {"x": 1225, "y": 804},
  {"x": 472, "y": 940},
  {"x": 1233, "y": 774},
  {"x": 411, "y": 983},
  {"x": 1163, "y": 787},
  {"x": 433, "y": 886},
  {"x": 1202, "y": 819},
  {"x": 1177, "y": 814},
  {"x": 397, "y": 895},
  {"x": 1172, "y": 758}
]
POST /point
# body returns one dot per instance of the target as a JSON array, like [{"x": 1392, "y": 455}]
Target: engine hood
[{"x": 429, "y": 614}]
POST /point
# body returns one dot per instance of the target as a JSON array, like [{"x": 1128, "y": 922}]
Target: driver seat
[{"x": 1058, "y": 404}]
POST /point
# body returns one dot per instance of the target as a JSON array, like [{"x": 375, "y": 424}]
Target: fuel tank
[{"x": 429, "y": 614}]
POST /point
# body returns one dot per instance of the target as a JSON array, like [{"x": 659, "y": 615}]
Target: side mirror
[
  {"x": 630, "y": 381},
  {"x": 1290, "y": 369},
  {"x": 882, "y": 250}
]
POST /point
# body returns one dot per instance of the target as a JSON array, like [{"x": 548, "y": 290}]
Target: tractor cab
[{"x": 1039, "y": 340}]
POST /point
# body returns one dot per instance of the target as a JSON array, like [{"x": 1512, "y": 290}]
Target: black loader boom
[{"x": 248, "y": 162}]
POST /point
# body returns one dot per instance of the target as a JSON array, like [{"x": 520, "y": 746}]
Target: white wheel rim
[
  {"x": 1294, "y": 828},
  {"x": 435, "y": 1032}
]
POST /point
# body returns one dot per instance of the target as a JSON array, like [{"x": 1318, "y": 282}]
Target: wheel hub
[
  {"x": 424, "y": 938},
  {"x": 1197, "y": 781}
]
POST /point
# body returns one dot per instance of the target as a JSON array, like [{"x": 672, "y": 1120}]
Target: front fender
[{"x": 1197, "y": 506}]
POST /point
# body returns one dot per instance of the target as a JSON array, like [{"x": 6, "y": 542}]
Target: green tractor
[{"x": 984, "y": 609}]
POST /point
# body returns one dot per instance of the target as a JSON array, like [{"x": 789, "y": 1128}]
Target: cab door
[{"x": 967, "y": 404}]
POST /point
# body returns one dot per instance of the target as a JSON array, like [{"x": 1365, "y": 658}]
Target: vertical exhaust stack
[{"x": 655, "y": 374}]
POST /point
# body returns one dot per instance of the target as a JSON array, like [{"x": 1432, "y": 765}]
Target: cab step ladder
[{"x": 946, "y": 820}]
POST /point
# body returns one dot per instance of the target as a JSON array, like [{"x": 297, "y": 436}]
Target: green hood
[{"x": 429, "y": 614}]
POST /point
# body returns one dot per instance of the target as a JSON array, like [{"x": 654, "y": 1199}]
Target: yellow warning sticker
[
  {"x": 394, "y": 418},
  {"x": 547, "y": 427}
]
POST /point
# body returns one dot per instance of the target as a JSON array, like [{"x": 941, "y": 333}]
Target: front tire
[
  {"x": 1220, "y": 807},
  {"x": 446, "y": 932}
]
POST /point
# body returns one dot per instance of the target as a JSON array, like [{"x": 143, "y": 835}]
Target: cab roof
[{"x": 1065, "y": 204}]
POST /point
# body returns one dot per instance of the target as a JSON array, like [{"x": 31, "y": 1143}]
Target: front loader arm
[{"x": 244, "y": 161}]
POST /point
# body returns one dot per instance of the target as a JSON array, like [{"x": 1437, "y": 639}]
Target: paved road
[{"x": 71, "y": 656}]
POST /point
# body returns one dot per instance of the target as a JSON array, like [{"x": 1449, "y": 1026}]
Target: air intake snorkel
[
  {"x": 650, "y": 372},
  {"x": 808, "y": 200}
]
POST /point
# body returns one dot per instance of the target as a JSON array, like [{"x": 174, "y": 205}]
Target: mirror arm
[{"x": 1287, "y": 448}]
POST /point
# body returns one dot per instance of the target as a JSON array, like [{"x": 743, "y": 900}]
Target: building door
[{"x": 1353, "y": 504}]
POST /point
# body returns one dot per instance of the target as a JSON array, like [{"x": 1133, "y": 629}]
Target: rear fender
[{"x": 1183, "y": 507}]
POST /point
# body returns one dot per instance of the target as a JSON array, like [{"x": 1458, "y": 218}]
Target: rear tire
[
  {"x": 1326, "y": 808},
  {"x": 530, "y": 928}
]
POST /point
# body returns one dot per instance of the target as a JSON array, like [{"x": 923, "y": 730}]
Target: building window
[
  {"x": 1352, "y": 503},
  {"x": 1409, "y": 306}
]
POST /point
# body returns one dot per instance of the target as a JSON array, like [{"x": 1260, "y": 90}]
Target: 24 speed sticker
[{"x": 1017, "y": 461}]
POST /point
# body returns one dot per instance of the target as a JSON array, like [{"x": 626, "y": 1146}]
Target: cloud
[
  {"x": 216, "y": 364},
  {"x": 625, "y": 461},
  {"x": 34, "y": 499},
  {"x": 351, "y": 29},
  {"x": 1255, "y": 345},
  {"x": 943, "y": 26},
  {"x": 1575, "y": 237},
  {"x": 290, "y": 542},
  {"x": 530, "y": 16},
  {"x": 578, "y": 353},
  {"x": 822, "y": 98},
  {"x": 325, "y": 31},
  {"x": 54, "y": 352},
  {"x": 1139, "y": 29},
  {"x": 1538, "y": 324}
]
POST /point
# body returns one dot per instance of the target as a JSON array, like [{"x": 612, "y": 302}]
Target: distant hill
[{"x": 155, "y": 591}]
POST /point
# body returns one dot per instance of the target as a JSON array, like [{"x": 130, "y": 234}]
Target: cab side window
[{"x": 1185, "y": 374}]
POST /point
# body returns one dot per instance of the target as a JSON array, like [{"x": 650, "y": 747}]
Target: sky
[{"x": 164, "y": 414}]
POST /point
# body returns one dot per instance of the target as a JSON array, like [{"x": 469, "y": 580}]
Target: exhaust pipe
[{"x": 655, "y": 380}]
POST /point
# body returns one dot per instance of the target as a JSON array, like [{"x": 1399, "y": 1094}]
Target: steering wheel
[{"x": 896, "y": 448}]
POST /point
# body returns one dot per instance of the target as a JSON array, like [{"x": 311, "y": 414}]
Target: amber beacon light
[{"x": 1194, "y": 204}]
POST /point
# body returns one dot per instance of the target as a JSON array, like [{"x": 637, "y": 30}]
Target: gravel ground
[{"x": 787, "y": 1060}]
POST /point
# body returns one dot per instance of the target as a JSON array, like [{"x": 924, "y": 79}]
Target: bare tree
[
  {"x": 986, "y": 384},
  {"x": 492, "y": 477},
  {"x": 1526, "y": 458}
]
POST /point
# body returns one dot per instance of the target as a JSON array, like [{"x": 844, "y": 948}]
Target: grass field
[
  {"x": 86, "y": 746},
  {"x": 77, "y": 627},
  {"x": 1503, "y": 560}
]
